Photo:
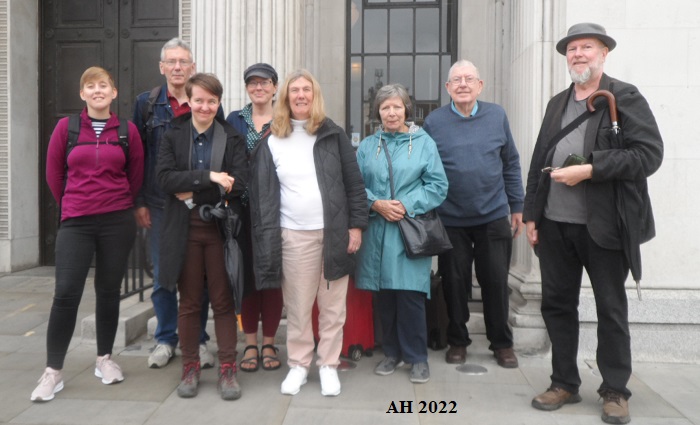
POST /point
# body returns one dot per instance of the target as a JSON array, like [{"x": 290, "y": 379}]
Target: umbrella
[
  {"x": 627, "y": 214},
  {"x": 230, "y": 226}
]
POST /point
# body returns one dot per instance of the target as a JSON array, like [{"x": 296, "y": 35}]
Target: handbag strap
[{"x": 391, "y": 170}]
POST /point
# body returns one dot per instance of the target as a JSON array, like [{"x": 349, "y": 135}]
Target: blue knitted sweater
[{"x": 481, "y": 163}]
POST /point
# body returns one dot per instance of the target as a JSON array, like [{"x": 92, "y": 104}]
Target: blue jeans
[{"x": 164, "y": 301}]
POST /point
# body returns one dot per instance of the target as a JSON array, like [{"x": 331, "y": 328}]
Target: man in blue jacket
[
  {"x": 153, "y": 112},
  {"x": 483, "y": 170}
]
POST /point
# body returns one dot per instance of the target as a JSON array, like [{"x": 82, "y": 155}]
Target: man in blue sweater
[{"x": 485, "y": 187}]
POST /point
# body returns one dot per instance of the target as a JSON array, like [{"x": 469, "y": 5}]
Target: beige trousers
[{"x": 302, "y": 283}]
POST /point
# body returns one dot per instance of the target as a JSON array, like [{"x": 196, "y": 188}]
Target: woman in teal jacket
[{"x": 420, "y": 185}]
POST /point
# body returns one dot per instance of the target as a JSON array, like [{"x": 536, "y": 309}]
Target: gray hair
[
  {"x": 460, "y": 63},
  {"x": 389, "y": 91},
  {"x": 174, "y": 43}
]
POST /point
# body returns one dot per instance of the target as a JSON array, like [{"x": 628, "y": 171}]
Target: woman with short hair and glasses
[{"x": 253, "y": 122}]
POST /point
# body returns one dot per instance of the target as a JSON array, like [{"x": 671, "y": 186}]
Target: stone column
[
  {"x": 528, "y": 82},
  {"x": 228, "y": 36}
]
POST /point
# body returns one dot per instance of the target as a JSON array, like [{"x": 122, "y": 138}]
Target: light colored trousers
[{"x": 303, "y": 282}]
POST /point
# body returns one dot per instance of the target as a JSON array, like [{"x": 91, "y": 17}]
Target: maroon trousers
[
  {"x": 265, "y": 305},
  {"x": 205, "y": 254}
]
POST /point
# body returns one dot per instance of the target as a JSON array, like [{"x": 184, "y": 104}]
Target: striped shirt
[{"x": 98, "y": 126}]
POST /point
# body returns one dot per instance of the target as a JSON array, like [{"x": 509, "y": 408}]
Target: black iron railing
[{"x": 139, "y": 267}]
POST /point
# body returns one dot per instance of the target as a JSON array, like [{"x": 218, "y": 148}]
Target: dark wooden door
[{"x": 122, "y": 36}]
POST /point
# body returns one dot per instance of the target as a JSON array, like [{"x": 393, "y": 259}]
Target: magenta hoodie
[{"x": 98, "y": 181}]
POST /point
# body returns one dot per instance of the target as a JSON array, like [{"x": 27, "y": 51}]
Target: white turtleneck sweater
[{"x": 301, "y": 206}]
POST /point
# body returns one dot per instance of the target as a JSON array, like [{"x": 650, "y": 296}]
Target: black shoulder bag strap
[{"x": 569, "y": 128}]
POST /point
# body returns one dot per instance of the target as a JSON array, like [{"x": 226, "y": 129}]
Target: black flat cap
[{"x": 261, "y": 70}]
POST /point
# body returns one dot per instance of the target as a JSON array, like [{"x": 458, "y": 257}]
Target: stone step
[
  {"x": 138, "y": 318},
  {"x": 133, "y": 319}
]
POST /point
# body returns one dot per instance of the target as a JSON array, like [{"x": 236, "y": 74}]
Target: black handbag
[{"x": 423, "y": 235}]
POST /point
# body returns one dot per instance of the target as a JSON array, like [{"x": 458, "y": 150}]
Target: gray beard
[{"x": 581, "y": 78}]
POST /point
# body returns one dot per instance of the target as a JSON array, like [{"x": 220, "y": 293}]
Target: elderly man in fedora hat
[{"x": 572, "y": 218}]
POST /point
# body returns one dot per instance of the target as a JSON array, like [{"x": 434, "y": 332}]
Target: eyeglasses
[
  {"x": 264, "y": 84},
  {"x": 470, "y": 80},
  {"x": 172, "y": 62}
]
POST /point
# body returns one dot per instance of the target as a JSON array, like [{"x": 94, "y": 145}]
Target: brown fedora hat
[{"x": 585, "y": 30}]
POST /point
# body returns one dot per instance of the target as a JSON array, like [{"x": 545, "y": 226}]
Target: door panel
[
  {"x": 124, "y": 37},
  {"x": 146, "y": 26}
]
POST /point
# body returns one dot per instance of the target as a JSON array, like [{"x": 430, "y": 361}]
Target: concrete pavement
[{"x": 663, "y": 394}]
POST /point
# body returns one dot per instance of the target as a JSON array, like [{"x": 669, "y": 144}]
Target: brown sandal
[
  {"x": 252, "y": 362},
  {"x": 268, "y": 360}
]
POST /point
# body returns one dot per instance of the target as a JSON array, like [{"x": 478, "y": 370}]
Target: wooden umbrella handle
[{"x": 611, "y": 104}]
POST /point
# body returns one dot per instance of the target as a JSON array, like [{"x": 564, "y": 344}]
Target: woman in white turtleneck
[{"x": 308, "y": 210}]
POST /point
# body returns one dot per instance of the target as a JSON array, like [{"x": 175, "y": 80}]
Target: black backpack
[{"x": 74, "y": 132}]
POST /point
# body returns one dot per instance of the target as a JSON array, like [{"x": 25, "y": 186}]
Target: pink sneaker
[
  {"x": 50, "y": 383},
  {"x": 108, "y": 370}
]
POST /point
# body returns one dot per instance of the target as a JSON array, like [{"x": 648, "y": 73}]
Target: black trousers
[
  {"x": 109, "y": 238},
  {"x": 564, "y": 250},
  {"x": 489, "y": 247}
]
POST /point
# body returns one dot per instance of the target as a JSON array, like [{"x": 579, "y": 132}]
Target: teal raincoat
[{"x": 420, "y": 184}]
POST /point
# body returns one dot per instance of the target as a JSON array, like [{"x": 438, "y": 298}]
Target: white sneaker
[
  {"x": 330, "y": 385},
  {"x": 161, "y": 356},
  {"x": 50, "y": 383},
  {"x": 108, "y": 370},
  {"x": 206, "y": 358},
  {"x": 294, "y": 380}
]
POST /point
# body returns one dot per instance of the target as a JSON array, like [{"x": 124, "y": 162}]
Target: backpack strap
[
  {"x": 124, "y": 140},
  {"x": 73, "y": 133},
  {"x": 147, "y": 108}
]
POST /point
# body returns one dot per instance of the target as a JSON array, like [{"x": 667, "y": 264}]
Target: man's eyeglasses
[
  {"x": 264, "y": 84},
  {"x": 172, "y": 62},
  {"x": 470, "y": 80}
]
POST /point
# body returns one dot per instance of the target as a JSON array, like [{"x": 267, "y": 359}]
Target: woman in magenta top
[{"x": 94, "y": 183}]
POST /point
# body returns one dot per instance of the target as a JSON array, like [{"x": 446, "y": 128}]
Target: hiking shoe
[
  {"x": 387, "y": 366},
  {"x": 161, "y": 355},
  {"x": 615, "y": 407},
  {"x": 554, "y": 398},
  {"x": 206, "y": 358},
  {"x": 190, "y": 380},
  {"x": 50, "y": 383},
  {"x": 330, "y": 384},
  {"x": 420, "y": 373},
  {"x": 108, "y": 370},
  {"x": 294, "y": 380},
  {"x": 228, "y": 385}
]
